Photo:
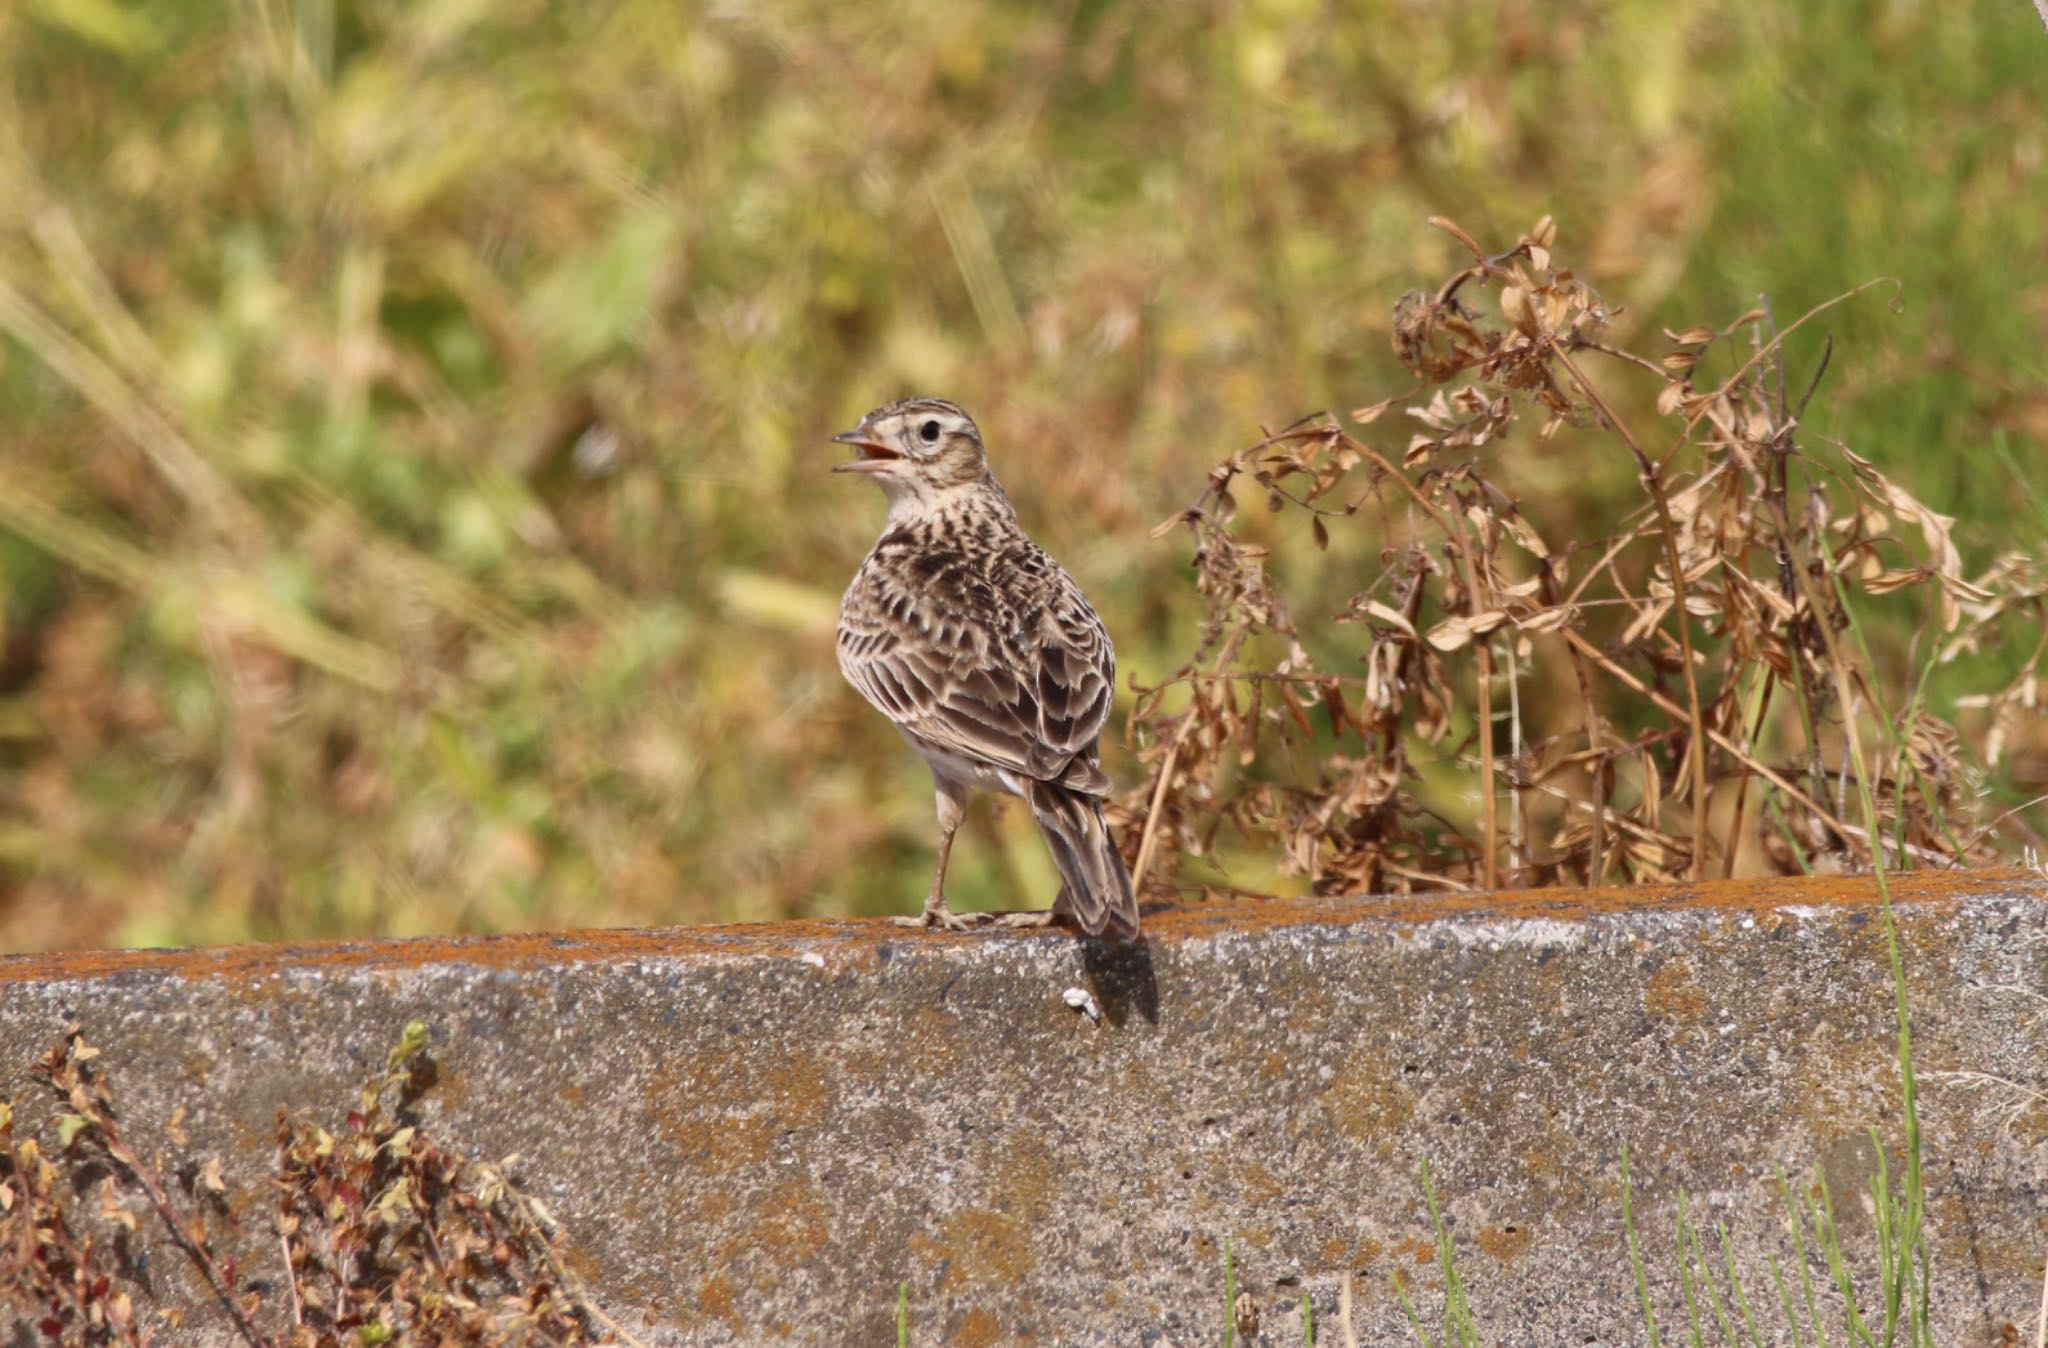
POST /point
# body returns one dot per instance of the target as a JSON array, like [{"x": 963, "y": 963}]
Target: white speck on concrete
[{"x": 1535, "y": 931}]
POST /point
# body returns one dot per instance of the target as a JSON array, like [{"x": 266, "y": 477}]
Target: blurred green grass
[{"x": 412, "y": 508}]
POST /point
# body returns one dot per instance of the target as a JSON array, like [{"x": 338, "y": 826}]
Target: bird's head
[{"x": 917, "y": 450}]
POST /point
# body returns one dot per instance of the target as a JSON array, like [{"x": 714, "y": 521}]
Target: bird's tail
[{"x": 1096, "y": 887}]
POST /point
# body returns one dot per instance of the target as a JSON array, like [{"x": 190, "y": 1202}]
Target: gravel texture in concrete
[{"x": 753, "y": 1135}]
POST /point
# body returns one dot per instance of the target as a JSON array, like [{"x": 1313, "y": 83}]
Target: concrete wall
[{"x": 752, "y": 1134}]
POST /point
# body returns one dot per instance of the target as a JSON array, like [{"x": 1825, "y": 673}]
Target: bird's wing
[{"x": 1030, "y": 696}]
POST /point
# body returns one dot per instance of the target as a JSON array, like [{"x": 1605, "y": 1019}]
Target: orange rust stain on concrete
[
  {"x": 1415, "y": 1250},
  {"x": 793, "y": 1222},
  {"x": 715, "y": 1300},
  {"x": 726, "y": 1110},
  {"x": 1673, "y": 994},
  {"x": 1259, "y": 1185},
  {"x": 857, "y": 944},
  {"x": 1544, "y": 1159},
  {"x": 1366, "y": 1099},
  {"x": 990, "y": 1246},
  {"x": 1506, "y": 1242},
  {"x": 976, "y": 1329},
  {"x": 714, "y": 1207},
  {"x": 982, "y": 1249},
  {"x": 1350, "y": 1255},
  {"x": 1030, "y": 1176}
]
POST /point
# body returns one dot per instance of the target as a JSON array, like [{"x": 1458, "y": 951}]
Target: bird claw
[
  {"x": 940, "y": 916},
  {"x": 1041, "y": 917}
]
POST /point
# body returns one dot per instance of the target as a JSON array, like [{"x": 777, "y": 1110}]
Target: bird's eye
[{"x": 930, "y": 432}]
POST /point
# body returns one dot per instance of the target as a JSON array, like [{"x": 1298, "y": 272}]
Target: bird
[{"x": 985, "y": 655}]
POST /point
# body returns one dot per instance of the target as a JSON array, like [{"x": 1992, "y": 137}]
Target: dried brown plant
[
  {"x": 1664, "y": 695},
  {"x": 385, "y": 1236}
]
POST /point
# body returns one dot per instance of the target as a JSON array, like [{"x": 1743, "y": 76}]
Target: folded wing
[{"x": 1031, "y": 700}]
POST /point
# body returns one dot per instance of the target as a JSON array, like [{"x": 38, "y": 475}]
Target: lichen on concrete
[{"x": 753, "y": 1135}]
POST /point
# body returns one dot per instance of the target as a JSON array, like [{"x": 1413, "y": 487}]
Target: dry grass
[{"x": 1687, "y": 696}]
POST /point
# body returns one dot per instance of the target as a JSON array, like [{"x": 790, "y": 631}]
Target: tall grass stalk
[
  {"x": 1229, "y": 1295},
  {"x": 1735, "y": 1290},
  {"x": 1798, "y": 1229},
  {"x": 1635, "y": 1250},
  {"x": 1459, "y": 1327},
  {"x": 1692, "y": 1305},
  {"x": 1785, "y": 1302}
]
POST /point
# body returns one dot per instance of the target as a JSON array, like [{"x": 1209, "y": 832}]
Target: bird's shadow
[{"x": 1119, "y": 974}]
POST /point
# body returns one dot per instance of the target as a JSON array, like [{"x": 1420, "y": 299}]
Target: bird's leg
[{"x": 952, "y": 809}]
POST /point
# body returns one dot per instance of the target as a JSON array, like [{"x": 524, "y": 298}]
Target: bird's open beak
[{"x": 874, "y": 458}]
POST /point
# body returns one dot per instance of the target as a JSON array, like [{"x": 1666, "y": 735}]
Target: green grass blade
[
  {"x": 1884, "y": 1221},
  {"x": 1635, "y": 1251},
  {"x": 1785, "y": 1301},
  {"x": 1459, "y": 1326},
  {"x": 1421, "y": 1330},
  {"x": 1794, "y": 1219},
  {"x": 1735, "y": 1291},
  {"x": 1830, "y": 1237},
  {"x": 1692, "y": 1305},
  {"x": 1229, "y": 1295},
  {"x": 1713, "y": 1290}
]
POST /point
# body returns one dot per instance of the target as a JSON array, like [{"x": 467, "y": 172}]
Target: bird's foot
[
  {"x": 937, "y": 914},
  {"x": 1042, "y": 917}
]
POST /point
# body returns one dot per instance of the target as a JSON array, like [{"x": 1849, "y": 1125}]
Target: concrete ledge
[{"x": 752, "y": 1134}]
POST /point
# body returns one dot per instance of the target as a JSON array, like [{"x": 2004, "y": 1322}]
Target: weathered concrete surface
[{"x": 752, "y": 1134}]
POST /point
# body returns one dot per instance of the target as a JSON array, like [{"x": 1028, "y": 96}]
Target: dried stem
[
  {"x": 1455, "y": 531},
  {"x": 1653, "y": 480},
  {"x": 1755, "y": 765},
  {"x": 1148, "y": 843}
]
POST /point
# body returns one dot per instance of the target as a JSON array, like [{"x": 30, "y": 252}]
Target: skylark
[{"x": 984, "y": 654}]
